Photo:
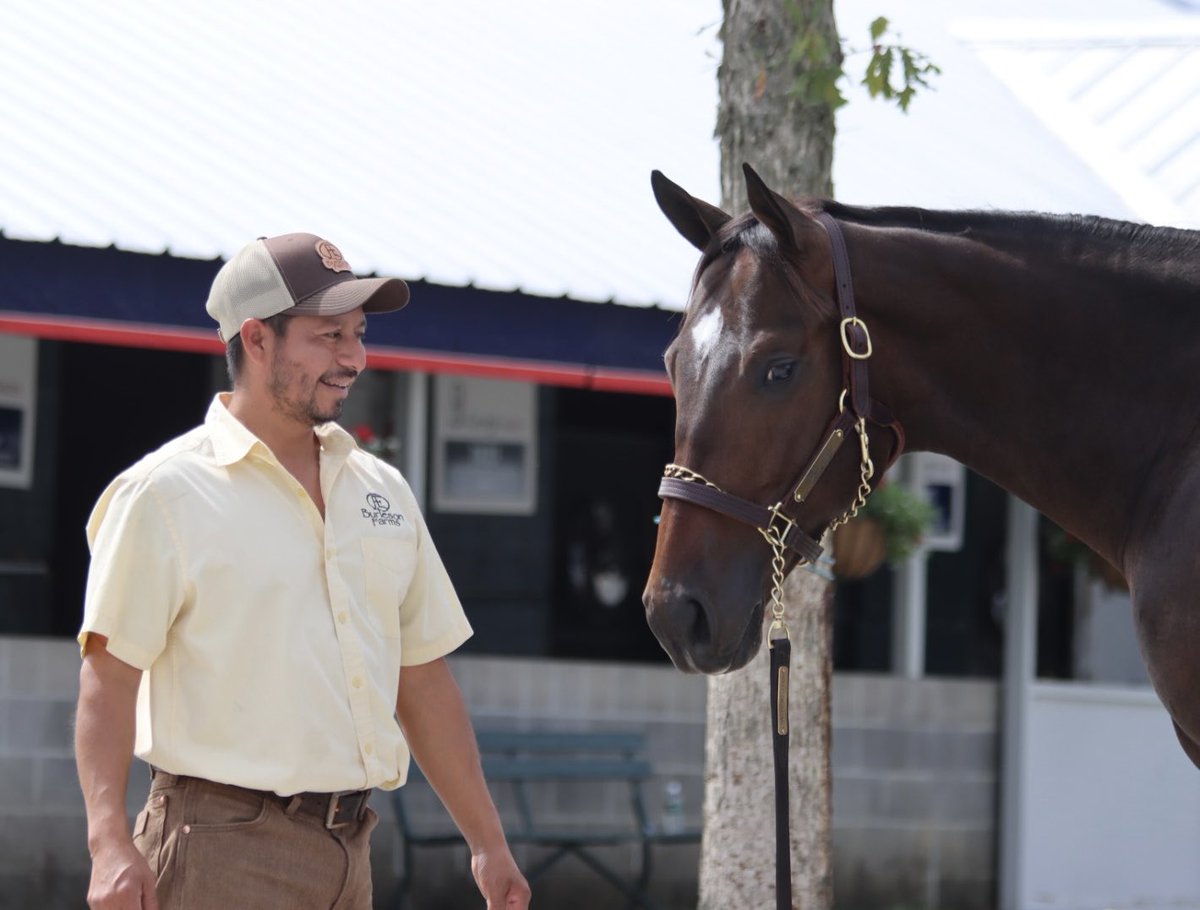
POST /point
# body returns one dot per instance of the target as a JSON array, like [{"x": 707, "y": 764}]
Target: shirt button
[
  {"x": 342, "y": 616},
  {"x": 356, "y": 682},
  {"x": 368, "y": 748}
]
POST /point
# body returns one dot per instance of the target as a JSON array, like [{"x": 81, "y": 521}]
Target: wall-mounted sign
[
  {"x": 18, "y": 410},
  {"x": 485, "y": 446},
  {"x": 943, "y": 481}
]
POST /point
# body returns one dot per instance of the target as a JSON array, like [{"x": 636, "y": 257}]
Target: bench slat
[
  {"x": 554, "y": 741},
  {"x": 532, "y": 769},
  {"x": 520, "y": 760}
]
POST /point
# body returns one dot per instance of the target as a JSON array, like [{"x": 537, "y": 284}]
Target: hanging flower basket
[
  {"x": 888, "y": 528},
  {"x": 859, "y": 548}
]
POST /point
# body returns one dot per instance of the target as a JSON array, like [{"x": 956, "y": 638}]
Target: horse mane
[
  {"x": 1167, "y": 254},
  {"x": 1005, "y": 228},
  {"x": 1162, "y": 257}
]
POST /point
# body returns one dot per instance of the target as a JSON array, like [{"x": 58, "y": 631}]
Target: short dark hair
[{"x": 235, "y": 352}]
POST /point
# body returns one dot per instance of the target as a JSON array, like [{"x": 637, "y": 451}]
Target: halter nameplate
[{"x": 815, "y": 470}]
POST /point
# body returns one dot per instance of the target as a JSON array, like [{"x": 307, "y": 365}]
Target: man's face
[{"x": 314, "y": 364}]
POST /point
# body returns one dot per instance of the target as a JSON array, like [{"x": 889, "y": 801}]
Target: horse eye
[{"x": 779, "y": 372}]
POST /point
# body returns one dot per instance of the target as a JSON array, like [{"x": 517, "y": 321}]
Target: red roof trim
[{"x": 138, "y": 335}]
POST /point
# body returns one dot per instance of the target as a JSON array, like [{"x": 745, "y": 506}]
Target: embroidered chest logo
[{"x": 379, "y": 513}]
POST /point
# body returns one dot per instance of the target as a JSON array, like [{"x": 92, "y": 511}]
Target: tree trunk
[
  {"x": 737, "y": 861},
  {"x": 789, "y": 141},
  {"x": 786, "y": 138}
]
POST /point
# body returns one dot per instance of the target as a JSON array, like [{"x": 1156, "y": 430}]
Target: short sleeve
[
  {"x": 135, "y": 581},
  {"x": 432, "y": 621}
]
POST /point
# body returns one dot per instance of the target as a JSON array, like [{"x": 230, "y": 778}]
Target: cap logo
[{"x": 331, "y": 257}]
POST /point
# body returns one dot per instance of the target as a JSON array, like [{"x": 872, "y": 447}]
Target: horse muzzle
[{"x": 694, "y": 635}]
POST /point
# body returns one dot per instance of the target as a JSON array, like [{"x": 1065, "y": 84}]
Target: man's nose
[{"x": 353, "y": 355}]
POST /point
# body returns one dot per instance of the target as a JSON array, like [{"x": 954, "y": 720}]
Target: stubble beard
[{"x": 286, "y": 375}]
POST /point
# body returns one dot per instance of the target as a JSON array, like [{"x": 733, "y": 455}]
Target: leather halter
[{"x": 779, "y": 523}]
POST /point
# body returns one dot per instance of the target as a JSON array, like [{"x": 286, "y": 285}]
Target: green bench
[{"x": 521, "y": 768}]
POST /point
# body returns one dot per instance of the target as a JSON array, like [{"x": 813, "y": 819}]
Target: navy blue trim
[{"x": 55, "y": 279}]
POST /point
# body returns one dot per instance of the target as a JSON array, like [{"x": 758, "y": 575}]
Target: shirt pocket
[{"x": 388, "y": 566}]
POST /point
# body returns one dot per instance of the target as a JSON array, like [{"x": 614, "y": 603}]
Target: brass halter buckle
[
  {"x": 778, "y": 530},
  {"x": 844, "y": 329}
]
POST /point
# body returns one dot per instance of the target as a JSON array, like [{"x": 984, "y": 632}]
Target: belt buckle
[{"x": 335, "y": 802}]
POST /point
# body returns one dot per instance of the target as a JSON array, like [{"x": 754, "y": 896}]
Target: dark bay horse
[{"x": 1058, "y": 356}]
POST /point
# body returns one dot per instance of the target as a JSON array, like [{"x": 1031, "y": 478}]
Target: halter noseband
[{"x": 779, "y": 523}]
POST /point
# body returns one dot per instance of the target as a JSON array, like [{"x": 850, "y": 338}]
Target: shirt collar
[
  {"x": 232, "y": 441},
  {"x": 335, "y": 441}
]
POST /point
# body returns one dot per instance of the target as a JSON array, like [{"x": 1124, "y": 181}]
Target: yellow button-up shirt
[{"x": 271, "y": 640}]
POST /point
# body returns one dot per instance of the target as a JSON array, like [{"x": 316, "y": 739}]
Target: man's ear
[{"x": 256, "y": 340}]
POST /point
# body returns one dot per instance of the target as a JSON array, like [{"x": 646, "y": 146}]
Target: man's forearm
[
  {"x": 104, "y": 734},
  {"x": 438, "y": 730}
]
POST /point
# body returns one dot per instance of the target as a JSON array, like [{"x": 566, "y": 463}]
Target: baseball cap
[{"x": 299, "y": 274}]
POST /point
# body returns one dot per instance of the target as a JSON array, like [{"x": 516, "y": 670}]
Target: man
[{"x": 263, "y": 603}]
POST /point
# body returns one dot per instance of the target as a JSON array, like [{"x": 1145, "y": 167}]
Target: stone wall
[
  {"x": 914, "y": 781},
  {"x": 914, "y": 793},
  {"x": 43, "y": 851}
]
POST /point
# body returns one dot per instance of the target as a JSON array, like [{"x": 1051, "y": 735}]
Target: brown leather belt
[{"x": 333, "y": 810}]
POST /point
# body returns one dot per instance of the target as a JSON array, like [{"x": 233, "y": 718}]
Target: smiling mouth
[{"x": 340, "y": 384}]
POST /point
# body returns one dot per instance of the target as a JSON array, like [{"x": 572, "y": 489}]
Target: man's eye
[{"x": 779, "y": 372}]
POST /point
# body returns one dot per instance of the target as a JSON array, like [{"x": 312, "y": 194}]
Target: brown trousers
[{"x": 216, "y": 847}]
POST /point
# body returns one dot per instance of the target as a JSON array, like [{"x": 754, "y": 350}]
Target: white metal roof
[
  {"x": 1037, "y": 110},
  {"x": 1124, "y": 97},
  {"x": 508, "y": 146}
]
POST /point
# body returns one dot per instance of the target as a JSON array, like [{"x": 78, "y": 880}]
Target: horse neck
[{"x": 1036, "y": 370}]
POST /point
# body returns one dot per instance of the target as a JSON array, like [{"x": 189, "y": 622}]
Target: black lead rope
[{"x": 781, "y": 659}]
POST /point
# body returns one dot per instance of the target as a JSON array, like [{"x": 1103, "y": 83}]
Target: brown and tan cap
[{"x": 299, "y": 274}]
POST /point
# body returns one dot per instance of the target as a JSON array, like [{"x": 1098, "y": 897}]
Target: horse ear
[
  {"x": 769, "y": 207},
  {"x": 696, "y": 220}
]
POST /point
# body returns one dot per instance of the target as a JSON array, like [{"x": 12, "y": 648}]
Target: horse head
[{"x": 758, "y": 376}]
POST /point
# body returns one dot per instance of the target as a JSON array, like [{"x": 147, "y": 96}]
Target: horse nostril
[
  {"x": 699, "y": 628},
  {"x": 680, "y": 621}
]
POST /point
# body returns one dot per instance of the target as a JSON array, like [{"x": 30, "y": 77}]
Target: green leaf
[
  {"x": 904, "y": 516},
  {"x": 815, "y": 80},
  {"x": 878, "y": 79}
]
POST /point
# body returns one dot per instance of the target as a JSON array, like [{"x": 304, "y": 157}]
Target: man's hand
[
  {"x": 434, "y": 718},
  {"x": 500, "y": 881},
  {"x": 121, "y": 880}
]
